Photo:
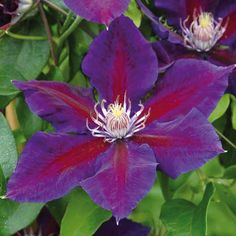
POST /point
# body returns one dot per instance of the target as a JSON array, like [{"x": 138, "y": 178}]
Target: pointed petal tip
[{"x": 117, "y": 221}]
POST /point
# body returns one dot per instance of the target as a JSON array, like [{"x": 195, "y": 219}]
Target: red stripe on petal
[
  {"x": 65, "y": 107},
  {"x": 231, "y": 27},
  {"x": 126, "y": 174},
  {"x": 187, "y": 84},
  {"x": 52, "y": 164}
]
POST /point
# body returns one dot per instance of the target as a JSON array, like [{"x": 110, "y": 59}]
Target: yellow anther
[{"x": 205, "y": 19}]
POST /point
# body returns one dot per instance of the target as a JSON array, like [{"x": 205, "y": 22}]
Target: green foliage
[
  {"x": 182, "y": 217},
  {"x": 233, "y": 107},
  {"x": 220, "y": 108},
  {"x": 15, "y": 216},
  {"x": 82, "y": 216},
  {"x": 134, "y": 13},
  {"x": 8, "y": 153}
]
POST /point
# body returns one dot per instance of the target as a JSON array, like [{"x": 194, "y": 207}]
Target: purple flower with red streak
[
  {"x": 205, "y": 30},
  {"x": 11, "y": 11},
  {"x": 103, "y": 11},
  {"x": 112, "y": 148}
]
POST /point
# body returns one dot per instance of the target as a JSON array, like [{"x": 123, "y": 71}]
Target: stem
[
  {"x": 68, "y": 32},
  {"x": 225, "y": 138},
  {"x": 55, "y": 7},
  {"x": 48, "y": 31},
  {"x": 67, "y": 22},
  {"x": 24, "y": 37},
  {"x": 11, "y": 115}
]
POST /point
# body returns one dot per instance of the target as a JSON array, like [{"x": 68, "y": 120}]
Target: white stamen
[
  {"x": 204, "y": 32},
  {"x": 114, "y": 122}
]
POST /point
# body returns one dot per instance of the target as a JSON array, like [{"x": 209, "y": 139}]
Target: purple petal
[
  {"x": 127, "y": 172},
  {"x": 221, "y": 57},
  {"x": 52, "y": 164},
  {"x": 232, "y": 84},
  {"x": 102, "y": 11},
  {"x": 65, "y": 107},
  {"x": 120, "y": 60},
  {"x": 168, "y": 52},
  {"x": 227, "y": 10},
  {"x": 176, "y": 10},
  {"x": 183, "y": 144},
  {"x": 161, "y": 30},
  {"x": 187, "y": 84},
  {"x": 125, "y": 228}
]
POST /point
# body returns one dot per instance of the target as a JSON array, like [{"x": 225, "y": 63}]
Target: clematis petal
[
  {"x": 125, "y": 228},
  {"x": 187, "y": 84},
  {"x": 168, "y": 52},
  {"x": 120, "y": 60},
  {"x": 160, "y": 29},
  {"x": 52, "y": 164},
  {"x": 227, "y": 10},
  {"x": 127, "y": 172},
  {"x": 176, "y": 10},
  {"x": 183, "y": 144},
  {"x": 102, "y": 11},
  {"x": 232, "y": 84},
  {"x": 65, "y": 107},
  {"x": 220, "y": 56}
]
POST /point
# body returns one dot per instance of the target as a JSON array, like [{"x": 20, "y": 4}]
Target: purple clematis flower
[
  {"x": 205, "y": 30},
  {"x": 126, "y": 228},
  {"x": 103, "y": 11},
  {"x": 11, "y": 11},
  {"x": 114, "y": 154}
]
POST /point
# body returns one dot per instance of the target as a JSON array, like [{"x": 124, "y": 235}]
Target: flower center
[
  {"x": 203, "y": 32},
  {"x": 116, "y": 122}
]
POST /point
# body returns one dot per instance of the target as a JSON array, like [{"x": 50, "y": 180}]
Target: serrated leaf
[
  {"x": 83, "y": 217},
  {"x": 15, "y": 216},
  {"x": 220, "y": 109},
  {"x": 8, "y": 151},
  {"x": 183, "y": 218}
]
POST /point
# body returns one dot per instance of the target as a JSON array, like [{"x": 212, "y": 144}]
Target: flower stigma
[
  {"x": 204, "y": 31},
  {"x": 116, "y": 122}
]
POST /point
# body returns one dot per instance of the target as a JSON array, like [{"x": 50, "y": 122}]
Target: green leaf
[
  {"x": 30, "y": 123},
  {"x": 227, "y": 196},
  {"x": 199, "y": 221},
  {"x": 230, "y": 172},
  {"x": 15, "y": 216},
  {"x": 2, "y": 182},
  {"x": 59, "y": 3},
  {"x": 58, "y": 207},
  {"x": 134, "y": 13},
  {"x": 83, "y": 217},
  {"x": 148, "y": 210},
  {"x": 220, "y": 108},
  {"x": 183, "y": 218},
  {"x": 8, "y": 151},
  {"x": 233, "y": 108},
  {"x": 23, "y": 59}
]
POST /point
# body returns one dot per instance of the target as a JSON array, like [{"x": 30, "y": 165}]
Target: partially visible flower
[
  {"x": 99, "y": 11},
  {"x": 114, "y": 154},
  {"x": 125, "y": 228},
  {"x": 204, "y": 30},
  {"x": 12, "y": 10}
]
